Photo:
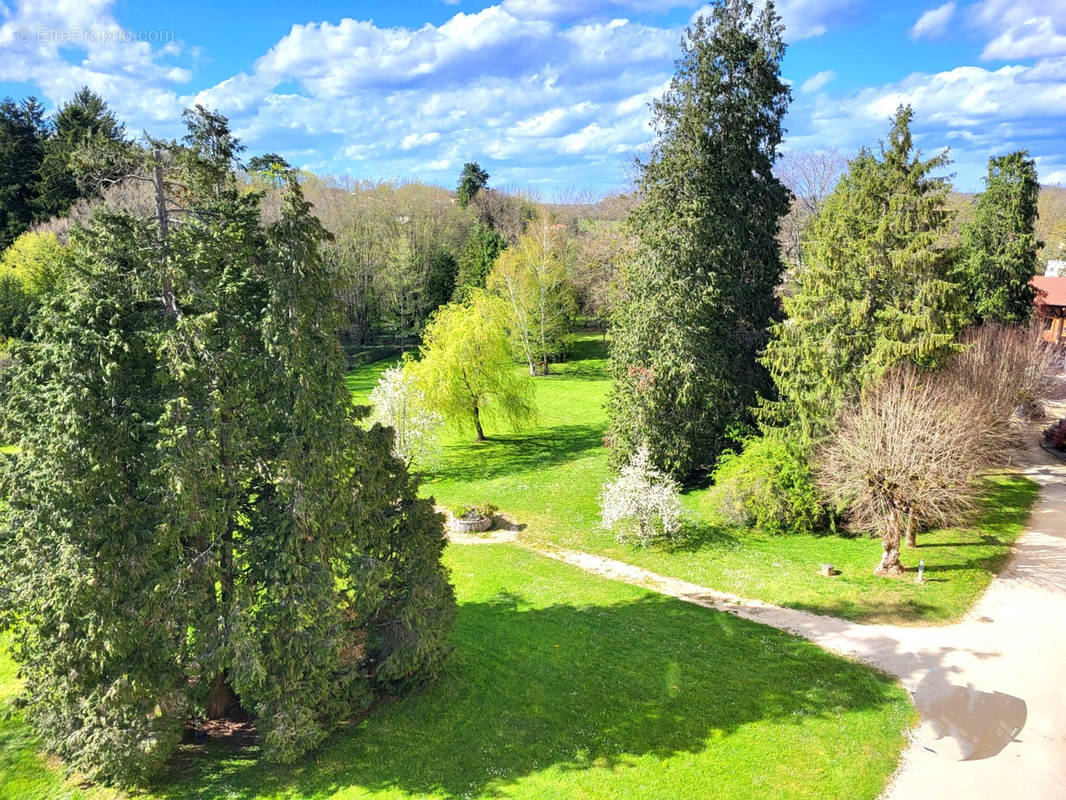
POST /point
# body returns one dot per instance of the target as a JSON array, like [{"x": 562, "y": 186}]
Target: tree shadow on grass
[
  {"x": 569, "y": 687},
  {"x": 696, "y": 535},
  {"x": 509, "y": 454}
]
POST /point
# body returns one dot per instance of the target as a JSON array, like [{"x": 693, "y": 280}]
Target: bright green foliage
[
  {"x": 533, "y": 277},
  {"x": 22, "y": 136},
  {"x": 698, "y": 294},
  {"x": 472, "y": 180},
  {"x": 1000, "y": 244},
  {"x": 82, "y": 125},
  {"x": 769, "y": 486},
  {"x": 466, "y": 367},
  {"x": 878, "y": 286},
  {"x": 476, "y": 257},
  {"x": 196, "y": 519},
  {"x": 30, "y": 270}
]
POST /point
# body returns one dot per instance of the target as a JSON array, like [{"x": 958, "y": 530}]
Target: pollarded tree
[
  {"x": 999, "y": 243},
  {"x": 466, "y": 368},
  {"x": 894, "y": 457},
  {"x": 697, "y": 296},
  {"x": 878, "y": 286},
  {"x": 534, "y": 278}
]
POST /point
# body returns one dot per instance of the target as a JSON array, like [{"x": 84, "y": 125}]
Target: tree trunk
[
  {"x": 477, "y": 424},
  {"x": 890, "y": 539},
  {"x": 223, "y": 701},
  {"x": 912, "y": 531}
]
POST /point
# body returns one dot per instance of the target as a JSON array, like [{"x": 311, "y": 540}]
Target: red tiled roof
[{"x": 1050, "y": 291}]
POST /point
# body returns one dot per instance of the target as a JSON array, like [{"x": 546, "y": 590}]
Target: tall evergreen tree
[
  {"x": 999, "y": 243},
  {"x": 472, "y": 180},
  {"x": 475, "y": 259},
  {"x": 878, "y": 286},
  {"x": 83, "y": 123},
  {"x": 22, "y": 137},
  {"x": 698, "y": 294},
  {"x": 196, "y": 520}
]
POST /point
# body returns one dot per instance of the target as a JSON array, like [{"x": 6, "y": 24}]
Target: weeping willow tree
[
  {"x": 196, "y": 522},
  {"x": 879, "y": 286}
]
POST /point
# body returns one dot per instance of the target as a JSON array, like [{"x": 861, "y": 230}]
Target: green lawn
[
  {"x": 548, "y": 478},
  {"x": 564, "y": 685}
]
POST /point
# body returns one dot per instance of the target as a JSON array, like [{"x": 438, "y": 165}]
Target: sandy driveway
[{"x": 991, "y": 689}]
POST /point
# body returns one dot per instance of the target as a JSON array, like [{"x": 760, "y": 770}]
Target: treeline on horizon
[{"x": 404, "y": 247}]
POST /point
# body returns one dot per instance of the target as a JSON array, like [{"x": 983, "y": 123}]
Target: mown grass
[
  {"x": 564, "y": 685},
  {"x": 548, "y": 479}
]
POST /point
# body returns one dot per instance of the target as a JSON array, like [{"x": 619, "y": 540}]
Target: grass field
[
  {"x": 563, "y": 685},
  {"x": 548, "y": 479}
]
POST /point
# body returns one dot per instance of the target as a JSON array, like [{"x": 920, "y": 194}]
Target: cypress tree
[
  {"x": 698, "y": 294},
  {"x": 197, "y": 522},
  {"x": 999, "y": 243},
  {"x": 878, "y": 286}
]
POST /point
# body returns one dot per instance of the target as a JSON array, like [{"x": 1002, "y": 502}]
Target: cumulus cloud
[
  {"x": 1022, "y": 29},
  {"x": 933, "y": 22},
  {"x": 976, "y": 111}
]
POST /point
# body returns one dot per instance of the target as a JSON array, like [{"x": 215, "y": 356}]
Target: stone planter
[{"x": 471, "y": 524}]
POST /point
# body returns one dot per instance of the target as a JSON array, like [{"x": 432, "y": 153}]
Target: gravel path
[{"x": 991, "y": 689}]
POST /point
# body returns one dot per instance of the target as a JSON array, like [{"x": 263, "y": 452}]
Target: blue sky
[{"x": 549, "y": 95}]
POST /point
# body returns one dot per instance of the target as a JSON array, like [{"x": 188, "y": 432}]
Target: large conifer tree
[
  {"x": 1000, "y": 244},
  {"x": 698, "y": 295},
  {"x": 196, "y": 521},
  {"x": 878, "y": 286}
]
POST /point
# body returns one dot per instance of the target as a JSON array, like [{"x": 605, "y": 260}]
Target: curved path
[{"x": 991, "y": 689}]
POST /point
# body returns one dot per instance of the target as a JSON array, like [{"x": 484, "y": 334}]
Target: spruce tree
[
  {"x": 878, "y": 286},
  {"x": 84, "y": 123},
  {"x": 999, "y": 243},
  {"x": 197, "y": 522},
  {"x": 698, "y": 294},
  {"x": 475, "y": 260}
]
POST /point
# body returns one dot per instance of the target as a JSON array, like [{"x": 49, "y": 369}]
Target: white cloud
[
  {"x": 934, "y": 21},
  {"x": 1022, "y": 29},
  {"x": 818, "y": 80}
]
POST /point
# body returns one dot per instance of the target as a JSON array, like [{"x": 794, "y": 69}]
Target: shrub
[
  {"x": 642, "y": 503},
  {"x": 770, "y": 486},
  {"x": 480, "y": 510}
]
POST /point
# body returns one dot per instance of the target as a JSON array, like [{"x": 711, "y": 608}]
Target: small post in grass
[{"x": 921, "y": 572}]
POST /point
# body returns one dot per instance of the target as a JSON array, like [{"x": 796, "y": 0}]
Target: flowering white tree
[
  {"x": 399, "y": 403},
  {"x": 642, "y": 503}
]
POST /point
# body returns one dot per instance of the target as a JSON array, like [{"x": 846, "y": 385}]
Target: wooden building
[{"x": 1051, "y": 306}]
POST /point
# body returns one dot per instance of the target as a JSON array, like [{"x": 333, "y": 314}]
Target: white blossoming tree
[
  {"x": 642, "y": 503},
  {"x": 399, "y": 403}
]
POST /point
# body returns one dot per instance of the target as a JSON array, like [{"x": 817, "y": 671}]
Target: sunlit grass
[
  {"x": 564, "y": 685},
  {"x": 548, "y": 478}
]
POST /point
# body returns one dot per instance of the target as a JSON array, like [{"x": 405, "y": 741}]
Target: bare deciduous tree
[
  {"x": 810, "y": 175},
  {"x": 906, "y": 451}
]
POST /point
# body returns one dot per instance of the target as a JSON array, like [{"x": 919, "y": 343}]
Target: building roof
[{"x": 1050, "y": 290}]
